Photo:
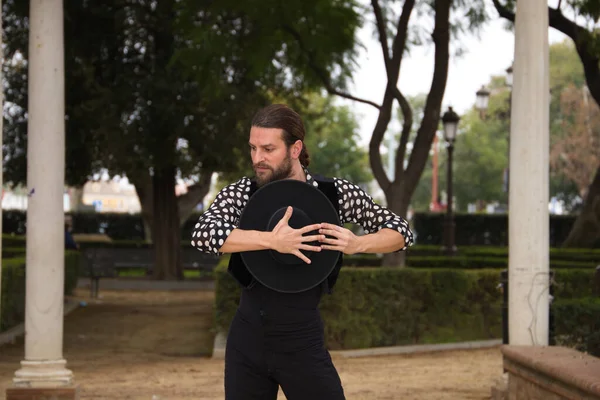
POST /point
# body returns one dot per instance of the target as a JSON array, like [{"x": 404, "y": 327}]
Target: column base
[
  {"x": 23, "y": 393},
  {"x": 43, "y": 374}
]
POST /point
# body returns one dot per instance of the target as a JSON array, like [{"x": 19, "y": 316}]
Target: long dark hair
[{"x": 280, "y": 116}]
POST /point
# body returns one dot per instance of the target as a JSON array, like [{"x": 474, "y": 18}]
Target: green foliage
[
  {"x": 481, "y": 155},
  {"x": 481, "y": 229},
  {"x": 481, "y": 148},
  {"x": 577, "y": 324},
  {"x": 332, "y": 141},
  {"x": 13, "y": 272},
  {"x": 373, "y": 307},
  {"x": 12, "y": 302}
]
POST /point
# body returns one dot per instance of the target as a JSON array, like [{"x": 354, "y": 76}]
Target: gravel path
[{"x": 156, "y": 346}]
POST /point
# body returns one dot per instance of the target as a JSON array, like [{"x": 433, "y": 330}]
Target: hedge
[
  {"x": 471, "y": 229},
  {"x": 482, "y": 229},
  {"x": 374, "y": 307},
  {"x": 13, "y": 287},
  {"x": 577, "y": 324}
]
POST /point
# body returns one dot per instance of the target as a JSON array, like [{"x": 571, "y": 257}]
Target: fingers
[
  {"x": 331, "y": 247},
  {"x": 301, "y": 256},
  {"x": 331, "y": 241},
  {"x": 326, "y": 225},
  {"x": 330, "y": 232},
  {"x": 313, "y": 238},
  {"x": 309, "y": 248},
  {"x": 309, "y": 228},
  {"x": 288, "y": 214}
]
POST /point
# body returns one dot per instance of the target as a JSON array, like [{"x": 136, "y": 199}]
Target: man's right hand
[{"x": 286, "y": 239}]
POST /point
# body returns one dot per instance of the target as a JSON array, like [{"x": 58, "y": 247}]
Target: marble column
[
  {"x": 44, "y": 365},
  {"x": 1, "y": 146},
  {"x": 528, "y": 269}
]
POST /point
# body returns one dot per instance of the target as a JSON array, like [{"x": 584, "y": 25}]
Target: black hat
[{"x": 288, "y": 273}]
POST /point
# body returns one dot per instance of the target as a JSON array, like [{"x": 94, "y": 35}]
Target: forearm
[
  {"x": 244, "y": 240},
  {"x": 384, "y": 241}
]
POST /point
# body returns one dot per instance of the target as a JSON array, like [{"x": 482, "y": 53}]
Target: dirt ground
[{"x": 157, "y": 345}]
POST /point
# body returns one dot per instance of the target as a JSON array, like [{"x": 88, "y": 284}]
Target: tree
[
  {"x": 159, "y": 90},
  {"x": 396, "y": 35},
  {"x": 577, "y": 152},
  {"x": 481, "y": 157},
  {"x": 586, "y": 39}
]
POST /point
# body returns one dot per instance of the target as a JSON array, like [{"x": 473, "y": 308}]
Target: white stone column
[
  {"x": 44, "y": 365},
  {"x": 528, "y": 271},
  {"x": 1, "y": 146}
]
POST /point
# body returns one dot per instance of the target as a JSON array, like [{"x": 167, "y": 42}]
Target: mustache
[{"x": 261, "y": 166}]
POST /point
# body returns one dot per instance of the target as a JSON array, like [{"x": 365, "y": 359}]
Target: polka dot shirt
[{"x": 355, "y": 206}]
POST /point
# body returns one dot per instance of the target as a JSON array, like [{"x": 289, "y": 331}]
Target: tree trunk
[
  {"x": 76, "y": 198},
  {"x": 397, "y": 202},
  {"x": 165, "y": 228},
  {"x": 586, "y": 229},
  {"x": 143, "y": 188}
]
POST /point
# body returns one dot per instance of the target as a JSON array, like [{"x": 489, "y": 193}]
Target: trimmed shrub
[
  {"x": 13, "y": 293},
  {"x": 577, "y": 324},
  {"x": 13, "y": 287},
  {"x": 373, "y": 307}
]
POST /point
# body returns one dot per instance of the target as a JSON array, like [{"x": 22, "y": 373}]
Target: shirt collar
[{"x": 309, "y": 179}]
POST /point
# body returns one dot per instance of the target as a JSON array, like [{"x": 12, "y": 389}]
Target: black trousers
[{"x": 277, "y": 340}]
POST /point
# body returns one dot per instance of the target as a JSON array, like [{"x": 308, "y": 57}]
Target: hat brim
[{"x": 288, "y": 273}]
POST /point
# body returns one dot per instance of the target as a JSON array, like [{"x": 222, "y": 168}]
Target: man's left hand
[{"x": 343, "y": 239}]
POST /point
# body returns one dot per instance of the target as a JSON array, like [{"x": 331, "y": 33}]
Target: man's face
[{"x": 271, "y": 158}]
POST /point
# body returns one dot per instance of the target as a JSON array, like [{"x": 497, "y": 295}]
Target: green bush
[
  {"x": 374, "y": 307},
  {"x": 482, "y": 229},
  {"x": 577, "y": 324},
  {"x": 12, "y": 252},
  {"x": 13, "y": 287},
  {"x": 13, "y": 241},
  {"x": 12, "y": 301}
]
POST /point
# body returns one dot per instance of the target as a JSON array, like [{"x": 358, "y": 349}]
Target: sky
[{"x": 486, "y": 55}]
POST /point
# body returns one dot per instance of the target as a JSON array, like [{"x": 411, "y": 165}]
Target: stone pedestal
[
  {"x": 65, "y": 393},
  {"x": 550, "y": 373}
]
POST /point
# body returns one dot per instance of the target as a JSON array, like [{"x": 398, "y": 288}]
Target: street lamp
[
  {"x": 481, "y": 100},
  {"x": 509, "y": 76},
  {"x": 450, "y": 120},
  {"x": 481, "y": 103}
]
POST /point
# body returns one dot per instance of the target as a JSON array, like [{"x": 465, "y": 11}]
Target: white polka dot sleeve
[
  {"x": 357, "y": 207},
  {"x": 215, "y": 225}
]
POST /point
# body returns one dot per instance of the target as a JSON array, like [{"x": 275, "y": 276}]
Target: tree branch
[
  {"x": 321, "y": 73},
  {"x": 382, "y": 35},
  {"x": 431, "y": 113},
  {"x": 385, "y": 112},
  {"x": 581, "y": 37},
  {"x": 401, "y": 34},
  {"x": 406, "y": 128}
]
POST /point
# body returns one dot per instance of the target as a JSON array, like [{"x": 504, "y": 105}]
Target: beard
[{"x": 282, "y": 171}]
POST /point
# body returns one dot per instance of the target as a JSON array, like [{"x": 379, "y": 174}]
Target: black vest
[{"x": 238, "y": 269}]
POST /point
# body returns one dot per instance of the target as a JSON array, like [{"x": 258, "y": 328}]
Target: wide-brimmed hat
[{"x": 286, "y": 272}]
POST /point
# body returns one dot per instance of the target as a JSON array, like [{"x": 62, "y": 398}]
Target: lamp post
[
  {"x": 509, "y": 83},
  {"x": 450, "y": 120},
  {"x": 481, "y": 103},
  {"x": 481, "y": 100}
]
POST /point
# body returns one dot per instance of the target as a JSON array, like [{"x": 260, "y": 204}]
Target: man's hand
[
  {"x": 286, "y": 239},
  {"x": 343, "y": 239}
]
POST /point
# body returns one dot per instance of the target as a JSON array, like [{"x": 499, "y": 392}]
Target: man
[{"x": 276, "y": 339}]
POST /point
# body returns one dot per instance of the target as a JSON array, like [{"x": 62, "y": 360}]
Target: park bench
[{"x": 101, "y": 263}]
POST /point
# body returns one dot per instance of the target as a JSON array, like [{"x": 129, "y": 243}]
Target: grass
[{"x": 141, "y": 272}]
